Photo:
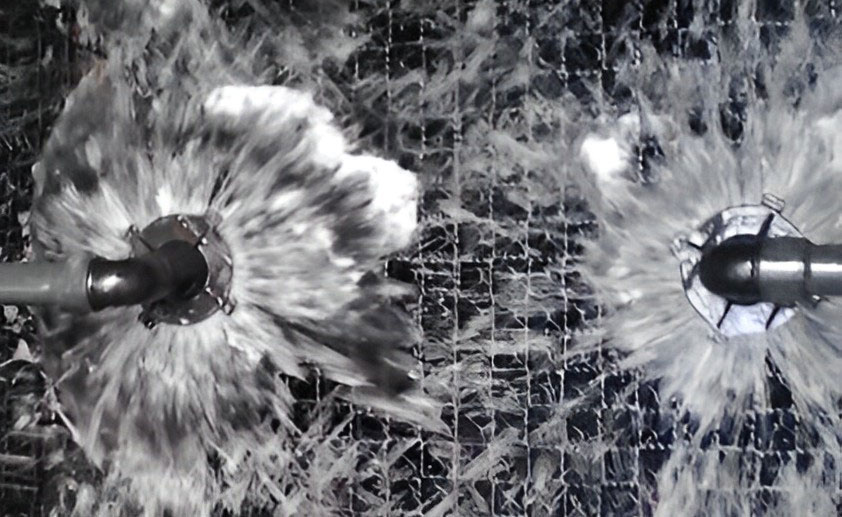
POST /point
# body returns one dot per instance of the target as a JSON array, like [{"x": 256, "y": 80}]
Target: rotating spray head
[
  {"x": 720, "y": 268},
  {"x": 749, "y": 264},
  {"x": 193, "y": 262}
]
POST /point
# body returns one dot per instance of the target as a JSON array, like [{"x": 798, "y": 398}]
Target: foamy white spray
[{"x": 180, "y": 122}]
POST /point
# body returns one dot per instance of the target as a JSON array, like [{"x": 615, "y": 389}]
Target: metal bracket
[{"x": 774, "y": 202}]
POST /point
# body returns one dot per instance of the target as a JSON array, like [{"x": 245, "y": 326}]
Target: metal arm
[
  {"x": 45, "y": 283},
  {"x": 748, "y": 269},
  {"x": 176, "y": 269}
]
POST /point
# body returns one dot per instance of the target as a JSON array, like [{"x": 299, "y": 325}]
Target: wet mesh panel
[
  {"x": 494, "y": 264},
  {"x": 36, "y": 65}
]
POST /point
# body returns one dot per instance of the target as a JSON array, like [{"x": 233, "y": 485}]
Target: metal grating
[
  {"x": 499, "y": 299},
  {"x": 35, "y": 68},
  {"x": 503, "y": 274}
]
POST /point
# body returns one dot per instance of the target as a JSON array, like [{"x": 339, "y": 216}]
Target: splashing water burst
[
  {"x": 306, "y": 222},
  {"x": 788, "y": 143}
]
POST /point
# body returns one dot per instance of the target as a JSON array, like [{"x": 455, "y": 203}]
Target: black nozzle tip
[
  {"x": 730, "y": 270},
  {"x": 176, "y": 270}
]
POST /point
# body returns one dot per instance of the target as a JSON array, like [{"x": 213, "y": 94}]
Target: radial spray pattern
[
  {"x": 175, "y": 121},
  {"x": 788, "y": 143},
  {"x": 480, "y": 75}
]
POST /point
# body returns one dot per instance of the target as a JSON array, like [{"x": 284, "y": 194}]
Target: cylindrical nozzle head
[
  {"x": 730, "y": 269},
  {"x": 175, "y": 270}
]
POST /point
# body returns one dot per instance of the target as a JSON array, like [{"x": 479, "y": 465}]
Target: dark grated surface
[
  {"x": 36, "y": 65},
  {"x": 467, "y": 271}
]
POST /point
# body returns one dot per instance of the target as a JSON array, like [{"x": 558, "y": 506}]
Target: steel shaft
[
  {"x": 747, "y": 269},
  {"x": 176, "y": 269}
]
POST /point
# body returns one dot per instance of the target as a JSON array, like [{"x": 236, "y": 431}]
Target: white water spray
[
  {"x": 789, "y": 146},
  {"x": 192, "y": 419}
]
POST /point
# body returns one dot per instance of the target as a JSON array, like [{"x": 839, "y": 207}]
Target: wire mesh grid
[
  {"x": 499, "y": 299},
  {"x": 35, "y": 70},
  {"x": 604, "y": 458}
]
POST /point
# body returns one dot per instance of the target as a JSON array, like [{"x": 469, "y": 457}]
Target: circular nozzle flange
[
  {"x": 732, "y": 319},
  {"x": 214, "y": 295}
]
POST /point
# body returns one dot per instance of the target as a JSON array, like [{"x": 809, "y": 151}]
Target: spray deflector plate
[
  {"x": 198, "y": 231},
  {"x": 732, "y": 320}
]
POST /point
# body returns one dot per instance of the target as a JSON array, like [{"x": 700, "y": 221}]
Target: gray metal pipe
[
  {"x": 824, "y": 276},
  {"x": 747, "y": 269},
  {"x": 792, "y": 269},
  {"x": 176, "y": 269},
  {"x": 45, "y": 283}
]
